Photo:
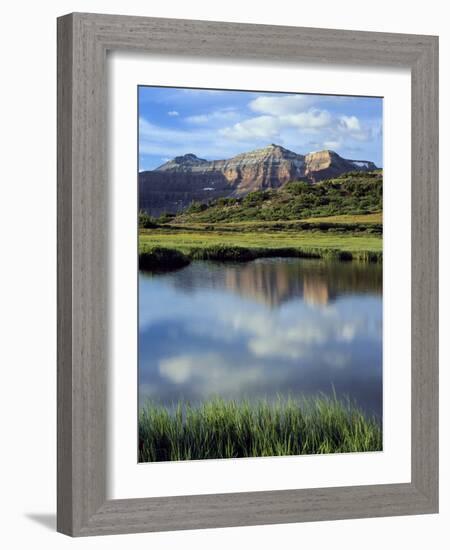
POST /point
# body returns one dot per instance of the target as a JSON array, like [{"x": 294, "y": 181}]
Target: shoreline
[{"x": 167, "y": 258}]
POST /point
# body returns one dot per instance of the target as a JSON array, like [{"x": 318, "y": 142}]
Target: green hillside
[{"x": 354, "y": 193}]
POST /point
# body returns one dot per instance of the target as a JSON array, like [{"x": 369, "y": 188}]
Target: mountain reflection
[
  {"x": 315, "y": 292},
  {"x": 271, "y": 282}
]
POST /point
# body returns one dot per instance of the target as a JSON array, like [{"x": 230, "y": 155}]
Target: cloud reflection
[{"x": 209, "y": 370}]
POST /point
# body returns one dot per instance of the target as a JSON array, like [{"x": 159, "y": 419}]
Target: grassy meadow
[
  {"x": 186, "y": 239},
  {"x": 230, "y": 429},
  {"x": 173, "y": 246}
]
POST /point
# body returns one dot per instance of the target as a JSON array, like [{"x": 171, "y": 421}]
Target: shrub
[
  {"x": 196, "y": 207},
  {"x": 348, "y": 194},
  {"x": 159, "y": 258},
  {"x": 166, "y": 217},
  {"x": 223, "y": 253},
  {"x": 297, "y": 187},
  {"x": 146, "y": 221}
]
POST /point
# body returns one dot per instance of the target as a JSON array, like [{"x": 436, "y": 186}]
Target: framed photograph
[{"x": 247, "y": 274}]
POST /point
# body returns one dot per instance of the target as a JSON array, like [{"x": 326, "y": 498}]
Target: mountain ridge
[{"x": 186, "y": 178}]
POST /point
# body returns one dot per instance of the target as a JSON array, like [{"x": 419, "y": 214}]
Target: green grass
[
  {"x": 185, "y": 240},
  {"x": 331, "y": 224},
  {"x": 375, "y": 217},
  {"x": 230, "y": 429},
  {"x": 244, "y": 246}
]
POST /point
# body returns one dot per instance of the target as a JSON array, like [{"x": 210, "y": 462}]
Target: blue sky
[{"x": 218, "y": 124}]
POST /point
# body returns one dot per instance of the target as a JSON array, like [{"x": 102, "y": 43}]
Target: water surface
[{"x": 255, "y": 330}]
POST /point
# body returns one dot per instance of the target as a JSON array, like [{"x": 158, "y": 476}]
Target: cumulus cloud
[
  {"x": 290, "y": 115},
  {"x": 269, "y": 126},
  {"x": 313, "y": 118},
  {"x": 281, "y": 115},
  {"x": 350, "y": 123},
  {"x": 258, "y": 127},
  {"x": 173, "y": 113},
  {"x": 350, "y": 126}
]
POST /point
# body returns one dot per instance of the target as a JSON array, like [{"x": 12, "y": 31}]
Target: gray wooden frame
[{"x": 83, "y": 40}]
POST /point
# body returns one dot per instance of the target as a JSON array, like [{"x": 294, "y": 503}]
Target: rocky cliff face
[
  {"x": 172, "y": 191},
  {"x": 175, "y": 184},
  {"x": 260, "y": 169},
  {"x": 185, "y": 163},
  {"x": 328, "y": 164}
]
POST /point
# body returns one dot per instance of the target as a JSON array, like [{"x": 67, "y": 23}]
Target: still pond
[{"x": 270, "y": 327}]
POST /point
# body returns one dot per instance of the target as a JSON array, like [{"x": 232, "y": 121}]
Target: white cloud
[
  {"x": 314, "y": 118},
  {"x": 259, "y": 127},
  {"x": 269, "y": 126},
  {"x": 281, "y": 105},
  {"x": 351, "y": 127},
  {"x": 173, "y": 113},
  {"x": 299, "y": 113},
  {"x": 350, "y": 123}
]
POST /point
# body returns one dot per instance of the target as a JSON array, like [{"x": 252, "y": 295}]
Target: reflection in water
[
  {"x": 315, "y": 291},
  {"x": 258, "y": 329},
  {"x": 273, "y": 281}
]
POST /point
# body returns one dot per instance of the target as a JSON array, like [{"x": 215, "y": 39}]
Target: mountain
[
  {"x": 185, "y": 163},
  {"x": 176, "y": 184},
  {"x": 328, "y": 164},
  {"x": 259, "y": 169}
]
